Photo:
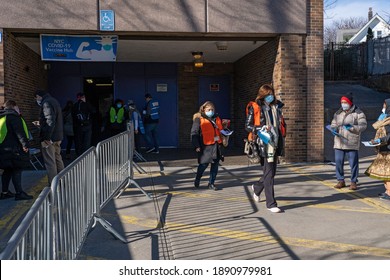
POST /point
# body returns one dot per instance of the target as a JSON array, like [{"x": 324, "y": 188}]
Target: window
[{"x": 379, "y": 34}]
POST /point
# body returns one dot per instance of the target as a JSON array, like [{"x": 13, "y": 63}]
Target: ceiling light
[{"x": 198, "y": 59}]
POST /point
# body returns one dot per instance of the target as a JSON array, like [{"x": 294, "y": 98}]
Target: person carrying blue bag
[{"x": 264, "y": 118}]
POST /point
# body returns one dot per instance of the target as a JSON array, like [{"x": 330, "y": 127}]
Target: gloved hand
[
  {"x": 376, "y": 141},
  {"x": 382, "y": 117},
  {"x": 348, "y": 126}
]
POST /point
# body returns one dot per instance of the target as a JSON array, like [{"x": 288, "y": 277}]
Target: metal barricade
[
  {"x": 33, "y": 239},
  {"x": 74, "y": 205},
  {"x": 57, "y": 225}
]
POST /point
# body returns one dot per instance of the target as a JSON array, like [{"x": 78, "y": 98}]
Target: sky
[{"x": 356, "y": 8}]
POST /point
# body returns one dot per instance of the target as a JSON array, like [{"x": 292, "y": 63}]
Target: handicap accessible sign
[{"x": 78, "y": 47}]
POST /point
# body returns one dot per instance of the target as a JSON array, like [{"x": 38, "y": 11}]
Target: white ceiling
[{"x": 171, "y": 51}]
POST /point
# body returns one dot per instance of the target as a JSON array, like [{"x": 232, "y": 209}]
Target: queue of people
[{"x": 264, "y": 122}]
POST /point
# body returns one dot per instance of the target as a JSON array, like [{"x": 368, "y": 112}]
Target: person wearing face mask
[
  {"x": 51, "y": 132},
  {"x": 206, "y": 139},
  {"x": 380, "y": 167},
  {"x": 264, "y": 115},
  {"x": 115, "y": 121},
  {"x": 347, "y": 125},
  {"x": 151, "y": 118}
]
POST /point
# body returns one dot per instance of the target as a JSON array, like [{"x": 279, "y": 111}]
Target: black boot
[{"x": 23, "y": 196}]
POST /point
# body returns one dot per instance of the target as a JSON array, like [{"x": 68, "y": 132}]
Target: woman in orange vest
[
  {"x": 207, "y": 141},
  {"x": 265, "y": 116}
]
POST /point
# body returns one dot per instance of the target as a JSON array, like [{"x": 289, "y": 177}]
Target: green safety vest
[
  {"x": 4, "y": 130},
  {"x": 117, "y": 117}
]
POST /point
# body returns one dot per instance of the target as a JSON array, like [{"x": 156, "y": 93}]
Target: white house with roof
[{"x": 380, "y": 28}]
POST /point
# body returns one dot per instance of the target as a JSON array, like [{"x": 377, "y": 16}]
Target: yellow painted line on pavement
[
  {"x": 280, "y": 202},
  {"x": 381, "y": 208},
  {"x": 14, "y": 214},
  {"x": 259, "y": 237}
]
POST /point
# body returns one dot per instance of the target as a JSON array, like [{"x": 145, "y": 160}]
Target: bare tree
[
  {"x": 328, "y": 5},
  {"x": 330, "y": 32}
]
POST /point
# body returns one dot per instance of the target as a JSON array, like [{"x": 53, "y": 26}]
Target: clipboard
[{"x": 335, "y": 133}]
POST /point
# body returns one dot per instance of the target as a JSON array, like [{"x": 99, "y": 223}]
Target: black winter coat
[
  {"x": 11, "y": 150},
  {"x": 208, "y": 153},
  {"x": 50, "y": 120}
]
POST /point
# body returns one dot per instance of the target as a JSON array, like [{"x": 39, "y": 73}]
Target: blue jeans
[
  {"x": 353, "y": 158},
  {"x": 151, "y": 135},
  {"x": 213, "y": 171}
]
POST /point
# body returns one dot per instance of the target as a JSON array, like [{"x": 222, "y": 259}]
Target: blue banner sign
[{"x": 79, "y": 47}]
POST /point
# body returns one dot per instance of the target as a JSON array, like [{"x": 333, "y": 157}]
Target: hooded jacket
[
  {"x": 50, "y": 119},
  {"x": 209, "y": 152},
  {"x": 384, "y": 126},
  {"x": 350, "y": 138}
]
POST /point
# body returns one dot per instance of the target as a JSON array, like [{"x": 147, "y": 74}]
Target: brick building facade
[{"x": 292, "y": 61}]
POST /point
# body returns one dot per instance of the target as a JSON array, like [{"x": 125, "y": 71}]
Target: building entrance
[{"x": 99, "y": 92}]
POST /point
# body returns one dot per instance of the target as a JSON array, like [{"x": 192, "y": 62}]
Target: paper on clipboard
[
  {"x": 335, "y": 133},
  {"x": 369, "y": 144}
]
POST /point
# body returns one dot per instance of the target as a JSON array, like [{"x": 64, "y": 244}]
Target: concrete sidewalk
[{"x": 181, "y": 222}]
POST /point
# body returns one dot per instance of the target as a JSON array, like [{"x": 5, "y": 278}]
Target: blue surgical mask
[
  {"x": 345, "y": 106},
  {"x": 119, "y": 105},
  {"x": 209, "y": 113},
  {"x": 269, "y": 99}
]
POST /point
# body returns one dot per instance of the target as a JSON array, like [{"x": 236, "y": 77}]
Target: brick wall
[
  {"x": 251, "y": 71},
  {"x": 23, "y": 74},
  {"x": 188, "y": 100},
  {"x": 315, "y": 78}
]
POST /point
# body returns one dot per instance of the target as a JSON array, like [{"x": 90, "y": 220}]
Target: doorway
[{"x": 99, "y": 92}]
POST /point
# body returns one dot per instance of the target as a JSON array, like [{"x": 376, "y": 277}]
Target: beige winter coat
[{"x": 349, "y": 139}]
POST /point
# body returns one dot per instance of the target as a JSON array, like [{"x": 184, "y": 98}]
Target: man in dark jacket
[
  {"x": 51, "y": 132},
  {"x": 82, "y": 123},
  {"x": 13, "y": 146}
]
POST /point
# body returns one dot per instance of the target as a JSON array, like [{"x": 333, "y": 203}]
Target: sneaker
[
  {"x": 381, "y": 194},
  {"x": 385, "y": 196},
  {"x": 353, "y": 186},
  {"x": 275, "y": 210},
  {"x": 340, "y": 184},
  {"x": 5, "y": 195},
  {"x": 255, "y": 197},
  {"x": 149, "y": 150},
  {"x": 23, "y": 196},
  {"x": 213, "y": 187}
]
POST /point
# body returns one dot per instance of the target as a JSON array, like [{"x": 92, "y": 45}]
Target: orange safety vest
[
  {"x": 256, "y": 117},
  {"x": 209, "y": 132}
]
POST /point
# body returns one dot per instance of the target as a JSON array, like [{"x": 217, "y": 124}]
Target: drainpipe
[
  {"x": 98, "y": 14},
  {"x": 207, "y": 15}
]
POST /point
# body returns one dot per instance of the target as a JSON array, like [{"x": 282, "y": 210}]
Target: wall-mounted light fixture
[
  {"x": 222, "y": 45},
  {"x": 198, "y": 59}
]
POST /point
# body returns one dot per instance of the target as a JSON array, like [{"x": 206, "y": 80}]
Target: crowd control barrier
[{"x": 57, "y": 225}]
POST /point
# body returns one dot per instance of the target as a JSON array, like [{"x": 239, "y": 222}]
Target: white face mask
[
  {"x": 384, "y": 110},
  {"x": 345, "y": 106}
]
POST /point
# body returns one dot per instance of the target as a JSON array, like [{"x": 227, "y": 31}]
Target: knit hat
[
  {"x": 347, "y": 98},
  {"x": 40, "y": 92}
]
